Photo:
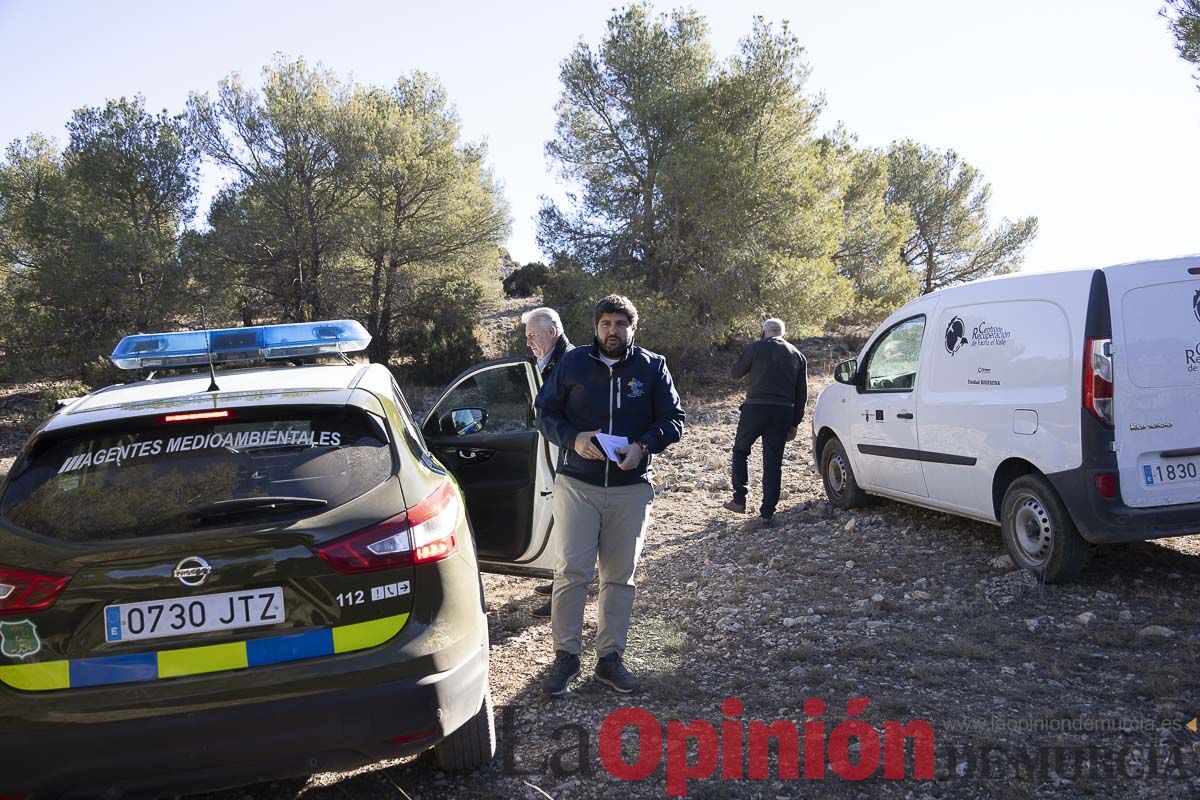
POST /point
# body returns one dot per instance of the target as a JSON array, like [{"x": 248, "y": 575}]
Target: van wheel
[
  {"x": 838, "y": 476},
  {"x": 1038, "y": 531},
  {"x": 472, "y": 745}
]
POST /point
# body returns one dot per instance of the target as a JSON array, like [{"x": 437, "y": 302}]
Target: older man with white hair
[
  {"x": 773, "y": 411},
  {"x": 546, "y": 339}
]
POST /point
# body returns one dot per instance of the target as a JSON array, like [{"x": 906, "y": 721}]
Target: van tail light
[
  {"x": 1098, "y": 379},
  {"x": 421, "y": 535},
  {"x": 23, "y": 590},
  {"x": 1106, "y": 485}
]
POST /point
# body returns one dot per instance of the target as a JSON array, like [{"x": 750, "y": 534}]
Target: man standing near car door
[
  {"x": 601, "y": 506},
  {"x": 548, "y": 341},
  {"x": 773, "y": 411}
]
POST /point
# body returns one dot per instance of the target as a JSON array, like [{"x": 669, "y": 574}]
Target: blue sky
[{"x": 1077, "y": 111}]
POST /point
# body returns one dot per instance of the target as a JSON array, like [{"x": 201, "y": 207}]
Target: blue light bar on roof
[{"x": 190, "y": 348}]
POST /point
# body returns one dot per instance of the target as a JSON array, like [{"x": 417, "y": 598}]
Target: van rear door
[{"x": 1156, "y": 388}]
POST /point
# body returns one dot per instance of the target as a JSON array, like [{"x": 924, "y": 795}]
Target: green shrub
[
  {"x": 436, "y": 335},
  {"x": 47, "y": 402},
  {"x": 527, "y": 280}
]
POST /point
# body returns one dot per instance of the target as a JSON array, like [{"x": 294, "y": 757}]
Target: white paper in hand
[{"x": 609, "y": 445}]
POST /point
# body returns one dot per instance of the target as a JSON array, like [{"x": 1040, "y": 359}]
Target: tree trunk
[{"x": 373, "y": 315}]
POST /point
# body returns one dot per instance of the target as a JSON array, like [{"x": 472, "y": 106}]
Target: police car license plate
[
  {"x": 1173, "y": 470},
  {"x": 179, "y": 616}
]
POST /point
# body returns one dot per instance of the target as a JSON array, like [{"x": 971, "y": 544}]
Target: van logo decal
[
  {"x": 954, "y": 335},
  {"x": 1196, "y": 304},
  {"x": 19, "y": 639},
  {"x": 1150, "y": 426}
]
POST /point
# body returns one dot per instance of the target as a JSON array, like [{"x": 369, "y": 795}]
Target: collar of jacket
[{"x": 594, "y": 352}]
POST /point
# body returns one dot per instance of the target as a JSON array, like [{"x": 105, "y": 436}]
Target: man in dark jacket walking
[
  {"x": 548, "y": 342},
  {"x": 773, "y": 410},
  {"x": 601, "y": 505}
]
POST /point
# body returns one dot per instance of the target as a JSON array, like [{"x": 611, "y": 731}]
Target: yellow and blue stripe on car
[{"x": 138, "y": 667}]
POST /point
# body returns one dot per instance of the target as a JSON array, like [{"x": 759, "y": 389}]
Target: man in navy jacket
[{"x": 601, "y": 506}]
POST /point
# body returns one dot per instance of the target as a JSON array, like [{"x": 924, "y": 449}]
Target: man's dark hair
[{"x": 615, "y": 304}]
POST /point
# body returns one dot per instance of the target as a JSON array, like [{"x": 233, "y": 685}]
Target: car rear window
[{"x": 160, "y": 478}]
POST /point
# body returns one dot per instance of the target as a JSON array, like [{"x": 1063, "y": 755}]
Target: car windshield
[{"x": 151, "y": 479}]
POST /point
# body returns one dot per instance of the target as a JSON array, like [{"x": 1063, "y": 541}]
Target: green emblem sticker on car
[{"x": 19, "y": 639}]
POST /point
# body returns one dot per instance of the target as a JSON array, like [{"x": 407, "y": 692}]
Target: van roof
[{"x": 1182, "y": 262}]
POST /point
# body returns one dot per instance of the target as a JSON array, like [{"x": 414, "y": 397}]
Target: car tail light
[
  {"x": 1098, "y": 379},
  {"x": 420, "y": 535},
  {"x": 408, "y": 738},
  {"x": 1106, "y": 485},
  {"x": 22, "y": 590},
  {"x": 197, "y": 416}
]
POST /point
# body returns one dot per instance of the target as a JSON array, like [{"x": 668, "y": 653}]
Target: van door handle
[{"x": 904, "y": 415}]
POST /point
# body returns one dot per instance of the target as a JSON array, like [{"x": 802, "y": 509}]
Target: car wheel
[
  {"x": 473, "y": 744},
  {"x": 1038, "y": 531},
  {"x": 838, "y": 476}
]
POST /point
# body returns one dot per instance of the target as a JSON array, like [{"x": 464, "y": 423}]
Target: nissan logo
[{"x": 192, "y": 571}]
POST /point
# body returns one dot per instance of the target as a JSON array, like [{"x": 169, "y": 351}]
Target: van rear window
[
  {"x": 153, "y": 478},
  {"x": 1161, "y": 337}
]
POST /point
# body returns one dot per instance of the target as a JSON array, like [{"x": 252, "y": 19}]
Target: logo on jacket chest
[{"x": 636, "y": 388}]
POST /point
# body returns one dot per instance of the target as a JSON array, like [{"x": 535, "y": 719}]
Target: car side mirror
[
  {"x": 462, "y": 421},
  {"x": 846, "y": 371}
]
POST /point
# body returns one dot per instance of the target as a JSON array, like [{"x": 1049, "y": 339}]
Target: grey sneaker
[
  {"x": 544, "y": 588},
  {"x": 735, "y": 506},
  {"x": 564, "y": 670},
  {"x": 542, "y": 611},
  {"x": 610, "y": 670}
]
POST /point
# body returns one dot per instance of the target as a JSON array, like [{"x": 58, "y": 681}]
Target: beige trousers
[{"x": 590, "y": 522}]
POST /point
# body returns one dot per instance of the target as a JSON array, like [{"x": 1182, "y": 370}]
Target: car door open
[{"x": 482, "y": 430}]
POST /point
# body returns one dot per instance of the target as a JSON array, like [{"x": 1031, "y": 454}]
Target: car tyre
[
  {"x": 1038, "y": 531},
  {"x": 471, "y": 746},
  {"x": 838, "y": 476}
]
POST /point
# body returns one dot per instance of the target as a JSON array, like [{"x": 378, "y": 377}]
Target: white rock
[
  {"x": 1125, "y": 615},
  {"x": 790, "y": 622},
  {"x": 1032, "y": 625},
  {"x": 1156, "y": 632},
  {"x": 849, "y": 565},
  {"x": 851, "y": 525},
  {"x": 919, "y": 595},
  {"x": 876, "y": 598},
  {"x": 1002, "y": 562},
  {"x": 1086, "y": 618}
]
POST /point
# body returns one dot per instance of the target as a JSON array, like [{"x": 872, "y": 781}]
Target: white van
[{"x": 1064, "y": 407}]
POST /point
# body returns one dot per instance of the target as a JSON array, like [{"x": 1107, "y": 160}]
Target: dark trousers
[{"x": 772, "y": 424}]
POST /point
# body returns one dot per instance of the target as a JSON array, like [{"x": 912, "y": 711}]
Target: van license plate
[
  {"x": 1173, "y": 471},
  {"x": 183, "y": 615}
]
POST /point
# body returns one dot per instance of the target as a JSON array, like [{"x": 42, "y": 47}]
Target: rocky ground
[{"x": 1079, "y": 690}]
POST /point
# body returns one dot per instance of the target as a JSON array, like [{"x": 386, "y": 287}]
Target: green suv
[{"x": 237, "y": 575}]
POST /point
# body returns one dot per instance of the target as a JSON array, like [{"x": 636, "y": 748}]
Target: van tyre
[
  {"x": 471, "y": 746},
  {"x": 1038, "y": 531},
  {"x": 838, "y": 476}
]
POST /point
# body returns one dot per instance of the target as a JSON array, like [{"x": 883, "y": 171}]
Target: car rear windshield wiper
[{"x": 244, "y": 505}]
